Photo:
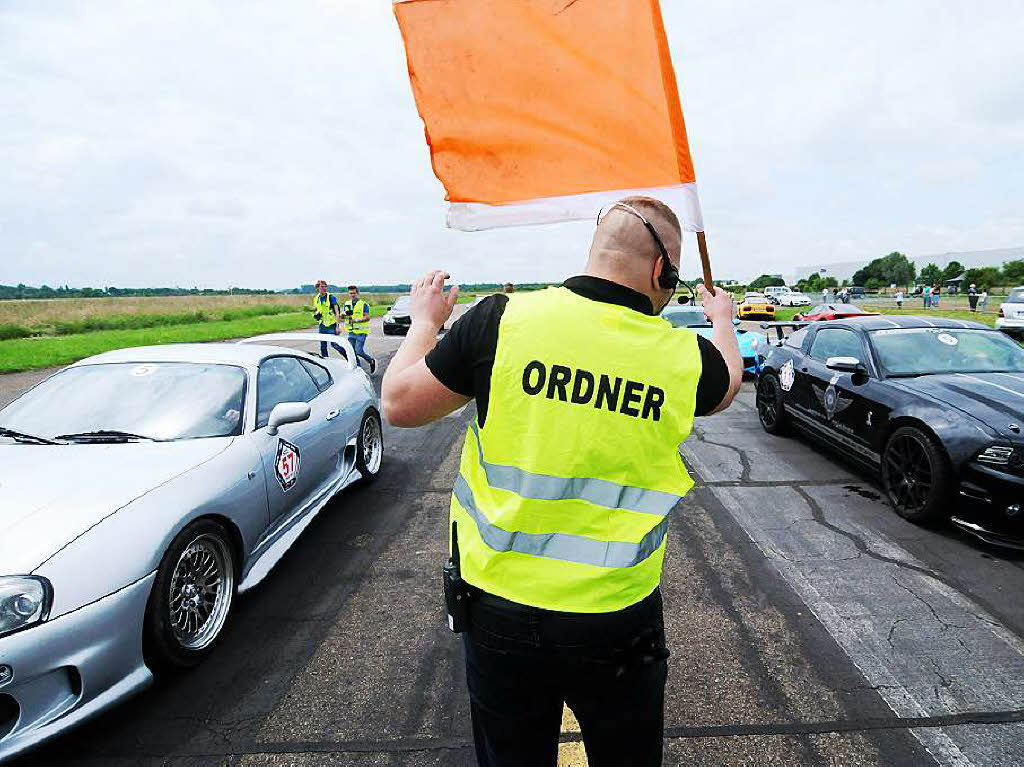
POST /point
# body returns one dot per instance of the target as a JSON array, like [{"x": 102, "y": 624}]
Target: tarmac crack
[{"x": 698, "y": 433}]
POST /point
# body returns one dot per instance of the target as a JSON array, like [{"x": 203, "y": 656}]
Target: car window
[
  {"x": 1016, "y": 296},
  {"x": 281, "y": 379},
  {"x": 836, "y": 342},
  {"x": 160, "y": 400},
  {"x": 321, "y": 377},
  {"x": 923, "y": 351},
  {"x": 796, "y": 340}
]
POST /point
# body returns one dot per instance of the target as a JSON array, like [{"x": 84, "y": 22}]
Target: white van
[{"x": 773, "y": 292}]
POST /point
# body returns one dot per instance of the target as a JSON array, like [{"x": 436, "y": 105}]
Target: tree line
[{"x": 45, "y": 291}]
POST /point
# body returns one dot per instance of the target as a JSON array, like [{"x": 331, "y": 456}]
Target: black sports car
[{"x": 936, "y": 406}]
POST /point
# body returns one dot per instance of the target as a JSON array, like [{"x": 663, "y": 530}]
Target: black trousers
[{"x": 522, "y": 663}]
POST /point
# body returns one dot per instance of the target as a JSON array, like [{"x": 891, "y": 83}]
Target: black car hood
[{"x": 995, "y": 399}]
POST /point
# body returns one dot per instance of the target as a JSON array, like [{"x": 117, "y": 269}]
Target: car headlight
[
  {"x": 24, "y": 601},
  {"x": 389, "y": 317}
]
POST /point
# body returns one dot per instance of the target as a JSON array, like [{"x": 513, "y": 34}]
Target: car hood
[
  {"x": 995, "y": 399},
  {"x": 747, "y": 339},
  {"x": 51, "y": 494}
]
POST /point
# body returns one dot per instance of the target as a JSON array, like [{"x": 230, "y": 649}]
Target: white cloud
[{"x": 267, "y": 143}]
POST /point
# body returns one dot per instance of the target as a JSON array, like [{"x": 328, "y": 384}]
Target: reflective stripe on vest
[
  {"x": 563, "y": 495},
  {"x": 543, "y": 487},
  {"x": 359, "y": 308},
  {"x": 322, "y": 304}
]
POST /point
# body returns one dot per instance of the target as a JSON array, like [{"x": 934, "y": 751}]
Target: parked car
[
  {"x": 824, "y": 312},
  {"x": 143, "y": 489},
  {"x": 935, "y": 407},
  {"x": 1011, "y": 313},
  {"x": 693, "y": 317},
  {"x": 755, "y": 305},
  {"x": 793, "y": 299},
  {"x": 772, "y": 292}
]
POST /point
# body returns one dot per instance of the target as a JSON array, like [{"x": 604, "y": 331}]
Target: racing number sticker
[
  {"x": 286, "y": 467},
  {"x": 948, "y": 340},
  {"x": 786, "y": 376}
]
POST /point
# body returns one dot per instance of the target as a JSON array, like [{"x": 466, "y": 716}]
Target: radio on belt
[{"x": 456, "y": 591}]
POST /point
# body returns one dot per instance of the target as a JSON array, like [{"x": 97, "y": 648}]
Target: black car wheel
[
  {"x": 192, "y": 597},
  {"x": 916, "y": 475},
  {"x": 769, "y": 404}
]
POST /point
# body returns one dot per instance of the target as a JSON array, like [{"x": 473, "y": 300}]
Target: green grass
[
  {"x": 21, "y": 353},
  {"x": 785, "y": 314},
  {"x": 32, "y": 353}
]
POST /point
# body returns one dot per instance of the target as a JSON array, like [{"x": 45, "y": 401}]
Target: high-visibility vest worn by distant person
[
  {"x": 359, "y": 308},
  {"x": 322, "y": 304},
  {"x": 563, "y": 496}
]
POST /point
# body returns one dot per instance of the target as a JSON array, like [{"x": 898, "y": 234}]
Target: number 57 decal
[{"x": 286, "y": 466}]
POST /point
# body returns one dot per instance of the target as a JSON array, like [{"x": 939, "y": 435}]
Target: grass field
[
  {"x": 90, "y": 331},
  {"x": 785, "y": 313}
]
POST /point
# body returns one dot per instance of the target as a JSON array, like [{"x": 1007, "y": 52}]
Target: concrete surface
[{"x": 808, "y": 624}]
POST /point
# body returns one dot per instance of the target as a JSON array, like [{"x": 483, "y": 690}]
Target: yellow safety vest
[
  {"x": 358, "y": 308},
  {"x": 563, "y": 496},
  {"x": 322, "y": 304}
]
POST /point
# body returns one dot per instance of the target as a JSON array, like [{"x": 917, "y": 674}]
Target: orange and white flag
[{"x": 539, "y": 111}]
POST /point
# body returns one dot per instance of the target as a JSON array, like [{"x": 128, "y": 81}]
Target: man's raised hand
[{"x": 428, "y": 303}]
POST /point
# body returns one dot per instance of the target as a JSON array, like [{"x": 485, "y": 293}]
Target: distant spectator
[
  {"x": 936, "y": 292},
  {"x": 983, "y": 300},
  {"x": 510, "y": 288},
  {"x": 824, "y": 295},
  {"x": 972, "y": 297},
  {"x": 899, "y": 299},
  {"x": 926, "y": 296}
]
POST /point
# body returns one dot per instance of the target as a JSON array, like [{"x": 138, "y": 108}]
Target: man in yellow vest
[
  {"x": 568, "y": 475},
  {"x": 357, "y": 317},
  {"x": 326, "y": 314}
]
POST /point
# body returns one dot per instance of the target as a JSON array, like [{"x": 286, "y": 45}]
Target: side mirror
[
  {"x": 846, "y": 365},
  {"x": 735, "y": 320},
  {"x": 287, "y": 412}
]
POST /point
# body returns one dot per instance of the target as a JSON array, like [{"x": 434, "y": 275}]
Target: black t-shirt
[{"x": 463, "y": 358}]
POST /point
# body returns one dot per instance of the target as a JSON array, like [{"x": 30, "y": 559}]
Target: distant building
[{"x": 971, "y": 259}]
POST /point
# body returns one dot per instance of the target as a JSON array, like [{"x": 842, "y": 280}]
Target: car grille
[{"x": 402, "y": 320}]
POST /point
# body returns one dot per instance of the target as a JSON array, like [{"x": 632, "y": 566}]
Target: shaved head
[{"x": 623, "y": 251}]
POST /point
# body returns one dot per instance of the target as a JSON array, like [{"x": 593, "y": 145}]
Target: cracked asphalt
[{"x": 808, "y": 624}]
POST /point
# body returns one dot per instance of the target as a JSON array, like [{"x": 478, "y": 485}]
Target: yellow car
[{"x": 755, "y": 305}]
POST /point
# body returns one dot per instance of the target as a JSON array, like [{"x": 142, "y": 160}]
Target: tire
[
  {"x": 770, "y": 408},
  {"x": 370, "y": 445},
  {"x": 170, "y": 643},
  {"x": 916, "y": 475}
]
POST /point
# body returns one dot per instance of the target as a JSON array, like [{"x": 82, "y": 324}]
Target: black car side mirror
[{"x": 848, "y": 365}]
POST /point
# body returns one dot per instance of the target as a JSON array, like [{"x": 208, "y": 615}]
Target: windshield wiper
[
  {"x": 105, "y": 435},
  {"x": 21, "y": 436}
]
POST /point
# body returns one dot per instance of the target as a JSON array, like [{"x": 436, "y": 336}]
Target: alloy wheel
[
  {"x": 767, "y": 402},
  {"x": 201, "y": 590},
  {"x": 373, "y": 445},
  {"x": 909, "y": 475}
]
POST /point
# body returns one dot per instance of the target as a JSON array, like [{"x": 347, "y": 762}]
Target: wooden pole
[{"x": 705, "y": 262}]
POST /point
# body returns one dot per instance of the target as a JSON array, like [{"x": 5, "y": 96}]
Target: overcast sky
[{"x": 266, "y": 144}]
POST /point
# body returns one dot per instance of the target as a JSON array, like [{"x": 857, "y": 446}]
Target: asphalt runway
[{"x": 808, "y": 624}]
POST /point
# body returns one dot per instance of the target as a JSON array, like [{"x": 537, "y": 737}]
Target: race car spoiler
[
  {"x": 780, "y": 327},
  {"x": 269, "y": 339}
]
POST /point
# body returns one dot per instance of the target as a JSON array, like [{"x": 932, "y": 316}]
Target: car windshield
[
  {"x": 754, "y": 297},
  {"x": 401, "y": 304},
  {"x": 1016, "y": 296},
  {"x": 685, "y": 316},
  {"x": 925, "y": 351},
  {"x": 158, "y": 400},
  {"x": 847, "y": 309}
]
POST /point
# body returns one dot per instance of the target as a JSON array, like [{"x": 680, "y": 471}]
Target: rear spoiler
[
  {"x": 779, "y": 327},
  {"x": 270, "y": 338}
]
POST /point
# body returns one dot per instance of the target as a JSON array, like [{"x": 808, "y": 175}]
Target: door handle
[
  {"x": 333, "y": 414},
  {"x": 251, "y": 474},
  {"x": 803, "y": 370}
]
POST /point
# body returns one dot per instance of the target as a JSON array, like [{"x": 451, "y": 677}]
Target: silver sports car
[{"x": 140, "y": 491}]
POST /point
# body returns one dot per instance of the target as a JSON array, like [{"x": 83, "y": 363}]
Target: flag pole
[{"x": 705, "y": 262}]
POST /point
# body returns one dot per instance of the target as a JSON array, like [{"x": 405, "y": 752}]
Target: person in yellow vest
[
  {"x": 326, "y": 314},
  {"x": 569, "y": 472},
  {"x": 357, "y": 318}
]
